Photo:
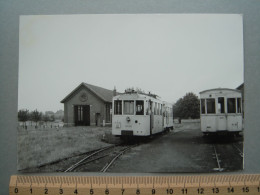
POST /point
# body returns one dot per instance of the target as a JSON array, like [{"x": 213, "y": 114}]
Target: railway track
[
  {"x": 240, "y": 152},
  {"x": 224, "y": 160},
  {"x": 84, "y": 160},
  {"x": 105, "y": 168},
  {"x": 216, "y": 156},
  {"x": 108, "y": 155}
]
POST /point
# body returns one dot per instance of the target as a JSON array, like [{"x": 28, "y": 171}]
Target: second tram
[{"x": 221, "y": 111}]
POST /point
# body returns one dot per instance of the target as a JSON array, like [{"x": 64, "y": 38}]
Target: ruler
[{"x": 129, "y": 185}]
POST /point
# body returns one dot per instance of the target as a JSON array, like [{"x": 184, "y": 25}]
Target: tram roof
[
  {"x": 138, "y": 94},
  {"x": 143, "y": 95},
  {"x": 218, "y": 89}
]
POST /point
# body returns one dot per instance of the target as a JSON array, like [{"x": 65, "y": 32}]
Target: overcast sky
[{"x": 166, "y": 54}]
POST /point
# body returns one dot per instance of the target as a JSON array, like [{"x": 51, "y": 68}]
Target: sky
[{"x": 165, "y": 54}]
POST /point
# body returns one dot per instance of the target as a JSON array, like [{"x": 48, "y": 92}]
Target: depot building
[{"x": 88, "y": 105}]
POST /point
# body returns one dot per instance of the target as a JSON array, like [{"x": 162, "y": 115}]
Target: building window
[
  {"x": 129, "y": 107},
  {"x": 202, "y": 106},
  {"x": 211, "y": 106},
  {"x": 117, "y": 107},
  {"x": 221, "y": 105},
  {"x": 139, "y": 107},
  {"x": 231, "y": 105},
  {"x": 239, "y": 108},
  {"x": 108, "y": 115}
]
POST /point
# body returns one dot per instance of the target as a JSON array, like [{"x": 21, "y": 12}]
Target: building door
[
  {"x": 97, "y": 119},
  {"x": 82, "y": 115}
]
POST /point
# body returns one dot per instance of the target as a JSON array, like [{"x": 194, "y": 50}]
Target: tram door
[
  {"x": 234, "y": 118},
  {"x": 222, "y": 116},
  {"x": 151, "y": 116}
]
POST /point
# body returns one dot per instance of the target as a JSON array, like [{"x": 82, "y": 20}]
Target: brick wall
[{"x": 96, "y": 106}]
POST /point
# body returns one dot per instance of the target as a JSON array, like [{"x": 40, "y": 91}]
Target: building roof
[
  {"x": 240, "y": 87},
  {"x": 104, "y": 94}
]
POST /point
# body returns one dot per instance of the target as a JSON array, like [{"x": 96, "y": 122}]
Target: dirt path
[{"x": 183, "y": 151}]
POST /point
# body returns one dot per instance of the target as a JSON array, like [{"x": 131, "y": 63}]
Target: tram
[
  {"x": 221, "y": 111},
  {"x": 140, "y": 114}
]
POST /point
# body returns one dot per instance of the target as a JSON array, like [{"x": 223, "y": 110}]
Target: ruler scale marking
[{"x": 39, "y": 180}]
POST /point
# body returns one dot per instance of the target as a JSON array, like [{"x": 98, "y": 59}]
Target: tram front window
[
  {"x": 139, "y": 107},
  {"x": 129, "y": 107},
  {"x": 117, "y": 107},
  {"x": 231, "y": 105},
  {"x": 221, "y": 105},
  {"x": 211, "y": 106}
]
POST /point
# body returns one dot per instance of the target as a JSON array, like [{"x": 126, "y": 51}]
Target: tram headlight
[{"x": 128, "y": 119}]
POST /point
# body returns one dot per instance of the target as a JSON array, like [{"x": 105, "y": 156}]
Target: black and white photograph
[{"x": 131, "y": 93}]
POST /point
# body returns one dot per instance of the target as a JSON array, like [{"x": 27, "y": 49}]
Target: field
[{"x": 45, "y": 145}]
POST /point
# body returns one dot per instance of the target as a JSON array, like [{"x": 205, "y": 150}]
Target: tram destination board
[{"x": 143, "y": 185}]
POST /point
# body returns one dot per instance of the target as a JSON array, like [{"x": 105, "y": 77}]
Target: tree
[
  {"x": 177, "y": 109},
  {"x": 36, "y": 116},
  {"x": 46, "y": 118},
  {"x": 23, "y": 116},
  {"x": 52, "y": 119},
  {"x": 187, "y": 107}
]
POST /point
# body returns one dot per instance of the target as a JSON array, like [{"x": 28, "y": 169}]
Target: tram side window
[
  {"x": 203, "y": 108},
  {"x": 129, "y": 107},
  {"x": 149, "y": 109},
  {"x": 211, "y": 106},
  {"x": 231, "y": 105},
  {"x": 139, "y": 107},
  {"x": 117, "y": 107},
  {"x": 155, "y": 108},
  {"x": 239, "y": 109},
  {"x": 221, "y": 105}
]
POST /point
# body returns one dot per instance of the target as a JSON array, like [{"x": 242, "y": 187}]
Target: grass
[{"x": 45, "y": 145}]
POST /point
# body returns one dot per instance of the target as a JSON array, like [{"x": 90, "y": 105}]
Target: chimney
[{"x": 114, "y": 91}]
